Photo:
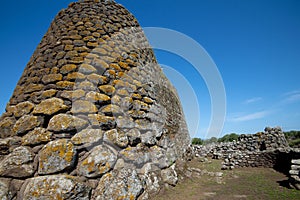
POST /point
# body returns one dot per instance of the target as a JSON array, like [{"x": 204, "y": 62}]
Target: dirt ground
[{"x": 242, "y": 183}]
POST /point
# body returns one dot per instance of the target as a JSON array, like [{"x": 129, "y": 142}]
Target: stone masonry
[{"x": 92, "y": 116}]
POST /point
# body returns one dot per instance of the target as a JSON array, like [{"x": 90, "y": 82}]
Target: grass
[{"x": 242, "y": 183}]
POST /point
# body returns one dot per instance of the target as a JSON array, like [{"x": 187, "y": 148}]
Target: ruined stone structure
[
  {"x": 93, "y": 116},
  {"x": 264, "y": 149},
  {"x": 295, "y": 174}
]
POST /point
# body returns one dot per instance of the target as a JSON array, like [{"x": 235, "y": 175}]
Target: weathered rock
[
  {"x": 62, "y": 187},
  {"x": 81, "y": 106},
  {"x": 99, "y": 161},
  {"x": 65, "y": 122},
  {"x": 56, "y": 156},
  {"x": 25, "y": 124},
  {"x": 116, "y": 137},
  {"x": 135, "y": 155},
  {"x": 169, "y": 175},
  {"x": 5, "y": 194},
  {"x": 37, "y": 136},
  {"x": 6, "y": 127},
  {"x": 50, "y": 106},
  {"x": 23, "y": 109},
  {"x": 18, "y": 164},
  {"x": 87, "y": 137},
  {"x": 123, "y": 184}
]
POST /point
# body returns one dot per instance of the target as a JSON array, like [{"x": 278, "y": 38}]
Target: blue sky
[{"x": 254, "y": 43}]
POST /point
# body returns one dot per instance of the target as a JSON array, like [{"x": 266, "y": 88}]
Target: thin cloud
[
  {"x": 292, "y": 96},
  {"x": 252, "y": 100},
  {"x": 249, "y": 117}
]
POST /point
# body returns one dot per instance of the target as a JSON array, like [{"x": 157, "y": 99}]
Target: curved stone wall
[{"x": 93, "y": 116}]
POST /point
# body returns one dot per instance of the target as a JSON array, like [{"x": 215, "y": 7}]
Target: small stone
[
  {"x": 92, "y": 44},
  {"x": 51, "y": 78},
  {"x": 87, "y": 69},
  {"x": 111, "y": 110},
  {"x": 81, "y": 106},
  {"x": 49, "y": 93},
  {"x": 6, "y": 126},
  {"x": 56, "y": 156},
  {"x": 87, "y": 136},
  {"x": 50, "y": 106},
  {"x": 95, "y": 78},
  {"x": 135, "y": 155},
  {"x": 73, "y": 76},
  {"x": 65, "y": 122},
  {"x": 123, "y": 184},
  {"x": 23, "y": 109},
  {"x": 97, "y": 97},
  {"x": 107, "y": 89},
  {"x": 66, "y": 85},
  {"x": 5, "y": 194},
  {"x": 105, "y": 122},
  {"x": 60, "y": 187},
  {"x": 33, "y": 88},
  {"x": 68, "y": 68},
  {"x": 118, "y": 138},
  {"x": 76, "y": 94},
  {"x": 25, "y": 124},
  {"x": 36, "y": 137},
  {"x": 99, "y": 161},
  {"x": 169, "y": 175},
  {"x": 18, "y": 164}
]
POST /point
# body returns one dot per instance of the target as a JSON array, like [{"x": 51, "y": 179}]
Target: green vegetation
[
  {"x": 293, "y": 138},
  {"x": 229, "y": 137},
  {"x": 225, "y": 138},
  {"x": 240, "y": 183},
  {"x": 197, "y": 141}
]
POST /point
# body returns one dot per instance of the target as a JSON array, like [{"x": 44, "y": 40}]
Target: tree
[{"x": 197, "y": 141}]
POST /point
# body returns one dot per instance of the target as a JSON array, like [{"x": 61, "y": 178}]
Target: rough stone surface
[
  {"x": 18, "y": 164},
  {"x": 55, "y": 187},
  {"x": 92, "y": 107},
  {"x": 99, "y": 161},
  {"x": 123, "y": 184},
  {"x": 64, "y": 122},
  {"x": 56, "y": 156},
  {"x": 36, "y": 136},
  {"x": 50, "y": 106}
]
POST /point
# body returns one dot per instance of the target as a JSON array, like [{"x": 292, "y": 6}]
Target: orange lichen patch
[
  {"x": 148, "y": 100},
  {"x": 136, "y": 96},
  {"x": 95, "y": 96},
  {"x": 124, "y": 65},
  {"x": 68, "y": 68},
  {"x": 123, "y": 93},
  {"x": 65, "y": 84},
  {"x": 107, "y": 89},
  {"x": 56, "y": 156},
  {"x": 115, "y": 67},
  {"x": 75, "y": 76},
  {"x": 49, "y": 93},
  {"x": 95, "y": 78}
]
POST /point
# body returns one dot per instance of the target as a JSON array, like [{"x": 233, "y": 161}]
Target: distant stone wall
[
  {"x": 264, "y": 149},
  {"x": 295, "y": 174}
]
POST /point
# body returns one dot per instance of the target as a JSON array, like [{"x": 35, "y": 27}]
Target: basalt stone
[
  {"x": 18, "y": 164},
  {"x": 56, "y": 156},
  {"x": 99, "y": 161},
  {"x": 65, "y": 122},
  {"x": 50, "y": 106},
  {"x": 55, "y": 186},
  {"x": 123, "y": 184},
  {"x": 96, "y": 109}
]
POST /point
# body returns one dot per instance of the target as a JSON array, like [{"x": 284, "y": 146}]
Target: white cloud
[
  {"x": 248, "y": 117},
  {"x": 292, "y": 96},
  {"x": 252, "y": 100}
]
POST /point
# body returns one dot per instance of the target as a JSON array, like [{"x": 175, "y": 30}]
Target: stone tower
[{"x": 93, "y": 116}]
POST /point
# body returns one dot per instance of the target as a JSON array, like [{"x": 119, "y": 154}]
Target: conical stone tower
[{"x": 93, "y": 116}]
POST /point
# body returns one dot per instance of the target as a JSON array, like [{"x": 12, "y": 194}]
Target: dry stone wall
[
  {"x": 93, "y": 116},
  {"x": 295, "y": 174}
]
